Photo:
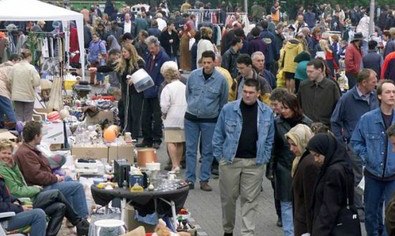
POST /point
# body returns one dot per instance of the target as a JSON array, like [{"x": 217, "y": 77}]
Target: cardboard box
[
  {"x": 87, "y": 152},
  {"x": 131, "y": 223},
  {"x": 121, "y": 152},
  {"x": 5, "y": 134}
]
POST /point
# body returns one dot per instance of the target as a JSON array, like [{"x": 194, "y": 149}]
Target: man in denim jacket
[
  {"x": 206, "y": 94},
  {"x": 242, "y": 143},
  {"x": 371, "y": 144}
]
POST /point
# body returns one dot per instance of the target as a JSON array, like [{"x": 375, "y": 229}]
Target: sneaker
[
  {"x": 205, "y": 187},
  {"x": 191, "y": 185}
]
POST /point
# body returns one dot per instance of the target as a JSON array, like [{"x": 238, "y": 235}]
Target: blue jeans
[
  {"x": 34, "y": 218},
  {"x": 375, "y": 190},
  {"x": 192, "y": 132},
  {"x": 74, "y": 192},
  {"x": 287, "y": 218},
  {"x": 6, "y": 109}
]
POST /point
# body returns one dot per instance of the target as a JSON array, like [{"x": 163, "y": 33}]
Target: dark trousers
[
  {"x": 352, "y": 79},
  {"x": 134, "y": 114},
  {"x": 356, "y": 163},
  {"x": 151, "y": 121},
  {"x": 56, "y": 207}
]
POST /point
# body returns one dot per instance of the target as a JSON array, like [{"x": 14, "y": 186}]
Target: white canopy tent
[{"x": 34, "y": 10}]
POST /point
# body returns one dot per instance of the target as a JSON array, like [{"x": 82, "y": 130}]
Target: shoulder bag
[{"x": 348, "y": 223}]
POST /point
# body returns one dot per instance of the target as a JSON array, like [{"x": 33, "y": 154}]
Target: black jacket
[
  {"x": 7, "y": 201},
  {"x": 170, "y": 48},
  {"x": 282, "y": 158},
  {"x": 330, "y": 188}
]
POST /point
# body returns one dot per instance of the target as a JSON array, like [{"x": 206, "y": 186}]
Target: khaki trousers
[{"x": 241, "y": 178}]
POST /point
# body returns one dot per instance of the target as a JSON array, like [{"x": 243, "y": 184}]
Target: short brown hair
[
  {"x": 31, "y": 129},
  {"x": 380, "y": 85},
  {"x": 364, "y": 74}
]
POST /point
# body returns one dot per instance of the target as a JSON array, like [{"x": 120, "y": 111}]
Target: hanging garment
[{"x": 45, "y": 48}]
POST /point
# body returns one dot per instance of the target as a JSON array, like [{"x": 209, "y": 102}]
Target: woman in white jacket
[
  {"x": 204, "y": 43},
  {"x": 173, "y": 106},
  {"x": 24, "y": 78}
]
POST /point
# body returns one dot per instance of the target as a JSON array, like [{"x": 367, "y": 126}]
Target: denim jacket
[
  {"x": 205, "y": 98},
  {"x": 368, "y": 142},
  {"x": 228, "y": 130}
]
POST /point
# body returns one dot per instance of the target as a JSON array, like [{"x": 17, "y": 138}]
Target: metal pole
[
  {"x": 246, "y": 7},
  {"x": 371, "y": 16}
]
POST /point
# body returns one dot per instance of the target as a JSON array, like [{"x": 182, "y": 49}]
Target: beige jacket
[
  {"x": 5, "y": 85},
  {"x": 24, "y": 78}
]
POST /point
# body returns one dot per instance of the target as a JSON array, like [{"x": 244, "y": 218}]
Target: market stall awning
[{"x": 34, "y": 10}]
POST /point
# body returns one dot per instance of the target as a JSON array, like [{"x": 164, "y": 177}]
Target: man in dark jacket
[
  {"x": 170, "y": 41},
  {"x": 318, "y": 95},
  {"x": 373, "y": 60},
  {"x": 272, "y": 54},
  {"x": 151, "y": 117},
  {"x": 230, "y": 56},
  {"x": 258, "y": 63}
]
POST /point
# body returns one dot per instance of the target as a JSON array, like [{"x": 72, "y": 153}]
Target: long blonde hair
[
  {"x": 133, "y": 60},
  {"x": 325, "y": 45}
]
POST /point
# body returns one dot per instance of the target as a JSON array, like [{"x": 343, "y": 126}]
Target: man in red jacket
[
  {"x": 36, "y": 170},
  {"x": 353, "y": 59}
]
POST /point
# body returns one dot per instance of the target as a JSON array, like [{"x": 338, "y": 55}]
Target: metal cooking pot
[{"x": 146, "y": 155}]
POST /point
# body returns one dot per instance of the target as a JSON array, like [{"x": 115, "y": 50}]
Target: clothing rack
[{"x": 200, "y": 16}]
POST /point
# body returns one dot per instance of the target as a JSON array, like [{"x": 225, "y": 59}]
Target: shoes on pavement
[
  {"x": 191, "y": 185},
  {"x": 143, "y": 144},
  {"x": 168, "y": 167},
  {"x": 279, "y": 223},
  {"x": 83, "y": 228},
  {"x": 205, "y": 187}
]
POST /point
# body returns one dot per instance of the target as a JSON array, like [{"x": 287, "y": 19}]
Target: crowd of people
[{"x": 297, "y": 94}]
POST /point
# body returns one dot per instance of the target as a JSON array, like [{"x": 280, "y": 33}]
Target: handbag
[{"x": 347, "y": 223}]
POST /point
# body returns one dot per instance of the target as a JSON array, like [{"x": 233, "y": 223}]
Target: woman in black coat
[
  {"x": 130, "y": 105},
  {"x": 334, "y": 178},
  {"x": 282, "y": 157}
]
